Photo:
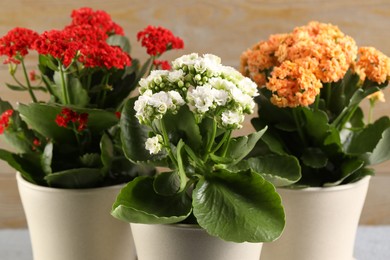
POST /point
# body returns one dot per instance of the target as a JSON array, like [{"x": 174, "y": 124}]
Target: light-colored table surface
[{"x": 372, "y": 243}]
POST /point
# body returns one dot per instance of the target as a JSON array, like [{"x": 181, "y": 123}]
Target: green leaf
[
  {"x": 381, "y": 151},
  {"x": 16, "y": 87},
  {"x": 366, "y": 140},
  {"x": 268, "y": 142},
  {"x": 47, "y": 158},
  {"x": 77, "y": 94},
  {"x": 20, "y": 163},
  {"x": 182, "y": 125},
  {"x": 91, "y": 160},
  {"x": 75, "y": 178},
  {"x": 41, "y": 118},
  {"x": 348, "y": 167},
  {"x": 47, "y": 61},
  {"x": 316, "y": 124},
  {"x": 139, "y": 203},
  {"x": 240, "y": 147},
  {"x": 167, "y": 183},
  {"x": 314, "y": 157},
  {"x": 238, "y": 207},
  {"x": 358, "y": 175},
  {"x": 121, "y": 41},
  {"x": 107, "y": 152},
  {"x": 134, "y": 135},
  {"x": 280, "y": 170}
]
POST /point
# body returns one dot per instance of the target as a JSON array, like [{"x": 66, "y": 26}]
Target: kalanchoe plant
[
  {"x": 183, "y": 121},
  {"x": 72, "y": 140},
  {"x": 313, "y": 81}
]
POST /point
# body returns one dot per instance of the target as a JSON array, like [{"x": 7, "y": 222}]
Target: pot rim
[
  {"x": 33, "y": 186},
  {"x": 175, "y": 225},
  {"x": 347, "y": 186}
]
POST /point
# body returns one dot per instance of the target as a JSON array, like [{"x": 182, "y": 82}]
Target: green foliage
[
  {"x": 213, "y": 181},
  {"x": 330, "y": 138}
]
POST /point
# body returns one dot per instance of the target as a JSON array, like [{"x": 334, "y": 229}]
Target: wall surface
[{"x": 222, "y": 27}]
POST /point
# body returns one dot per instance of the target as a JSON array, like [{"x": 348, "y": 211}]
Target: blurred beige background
[{"x": 222, "y": 27}]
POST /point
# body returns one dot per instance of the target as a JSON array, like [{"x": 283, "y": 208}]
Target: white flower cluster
[
  {"x": 154, "y": 144},
  {"x": 204, "y": 84}
]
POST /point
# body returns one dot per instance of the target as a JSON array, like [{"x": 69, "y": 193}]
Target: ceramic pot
[
  {"x": 321, "y": 223},
  {"x": 74, "y": 224},
  {"x": 189, "y": 242}
]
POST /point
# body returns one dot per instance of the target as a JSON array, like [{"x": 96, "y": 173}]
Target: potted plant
[
  {"x": 313, "y": 81},
  {"x": 67, "y": 150},
  {"x": 183, "y": 122}
]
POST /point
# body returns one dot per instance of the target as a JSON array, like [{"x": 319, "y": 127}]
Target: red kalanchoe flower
[
  {"x": 36, "y": 142},
  {"x": 67, "y": 115},
  {"x": 17, "y": 42},
  {"x": 103, "y": 55},
  {"x": 90, "y": 47},
  {"x": 33, "y": 75},
  {"x": 158, "y": 40},
  {"x": 118, "y": 114},
  {"x": 97, "y": 19},
  {"x": 162, "y": 64},
  {"x": 59, "y": 45},
  {"x": 4, "y": 119},
  {"x": 82, "y": 120}
]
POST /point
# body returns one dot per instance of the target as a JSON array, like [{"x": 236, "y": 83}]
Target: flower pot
[
  {"x": 321, "y": 223},
  {"x": 189, "y": 242},
  {"x": 74, "y": 224}
]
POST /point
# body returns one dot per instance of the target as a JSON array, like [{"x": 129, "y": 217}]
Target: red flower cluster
[
  {"x": 163, "y": 64},
  {"x": 85, "y": 43},
  {"x": 17, "y": 42},
  {"x": 67, "y": 115},
  {"x": 158, "y": 40},
  {"x": 83, "y": 40},
  {"x": 4, "y": 119},
  {"x": 97, "y": 19}
]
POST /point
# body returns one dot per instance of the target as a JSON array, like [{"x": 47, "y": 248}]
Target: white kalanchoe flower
[
  {"x": 232, "y": 119},
  {"x": 220, "y": 97},
  {"x": 245, "y": 101},
  {"x": 185, "y": 60},
  {"x": 249, "y": 87},
  {"x": 161, "y": 102},
  {"x": 141, "y": 106},
  {"x": 154, "y": 144},
  {"x": 175, "y": 76},
  {"x": 201, "y": 98},
  {"x": 231, "y": 74},
  {"x": 176, "y": 98}
]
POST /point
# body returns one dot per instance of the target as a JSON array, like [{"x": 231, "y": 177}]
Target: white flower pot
[
  {"x": 321, "y": 223},
  {"x": 187, "y": 242},
  {"x": 74, "y": 224}
]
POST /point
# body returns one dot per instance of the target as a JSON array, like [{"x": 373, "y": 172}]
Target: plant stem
[
  {"x": 210, "y": 141},
  {"x": 167, "y": 143},
  {"x": 64, "y": 86},
  {"x": 30, "y": 91},
  {"x": 298, "y": 125},
  {"x": 328, "y": 93},
  {"x": 103, "y": 98},
  {"x": 226, "y": 141},
  {"x": 370, "y": 111},
  {"x": 182, "y": 173}
]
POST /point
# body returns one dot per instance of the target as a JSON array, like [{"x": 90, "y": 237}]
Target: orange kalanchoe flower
[
  {"x": 372, "y": 64},
  {"x": 323, "y": 51},
  {"x": 293, "y": 85}
]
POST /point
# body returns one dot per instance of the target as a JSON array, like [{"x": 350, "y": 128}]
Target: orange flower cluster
[
  {"x": 297, "y": 64},
  {"x": 372, "y": 64}
]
